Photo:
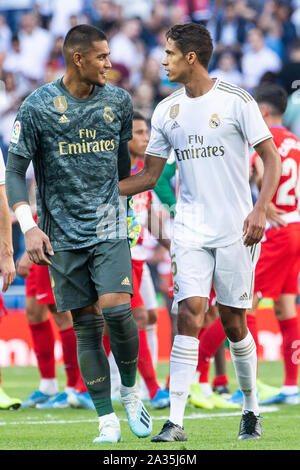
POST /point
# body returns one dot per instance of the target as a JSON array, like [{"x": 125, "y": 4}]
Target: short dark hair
[
  {"x": 273, "y": 95},
  {"x": 194, "y": 37},
  {"x": 81, "y": 37},
  {"x": 137, "y": 116}
]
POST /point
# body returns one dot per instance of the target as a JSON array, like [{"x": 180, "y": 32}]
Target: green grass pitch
[{"x": 71, "y": 429}]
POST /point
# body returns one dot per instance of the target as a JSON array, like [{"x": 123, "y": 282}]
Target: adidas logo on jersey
[
  {"x": 175, "y": 125},
  {"x": 63, "y": 119},
  {"x": 244, "y": 296},
  {"x": 125, "y": 282}
]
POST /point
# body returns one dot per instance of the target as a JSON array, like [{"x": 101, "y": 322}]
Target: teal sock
[
  {"x": 92, "y": 360},
  {"x": 124, "y": 341}
]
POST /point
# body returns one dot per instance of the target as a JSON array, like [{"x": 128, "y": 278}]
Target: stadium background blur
[{"x": 254, "y": 41}]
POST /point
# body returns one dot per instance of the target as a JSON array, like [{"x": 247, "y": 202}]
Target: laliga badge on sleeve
[{"x": 16, "y": 132}]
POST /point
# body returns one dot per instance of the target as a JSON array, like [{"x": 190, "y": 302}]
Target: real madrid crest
[
  {"x": 174, "y": 110},
  {"x": 176, "y": 287},
  {"x": 60, "y": 103},
  {"x": 214, "y": 121},
  {"x": 108, "y": 114}
]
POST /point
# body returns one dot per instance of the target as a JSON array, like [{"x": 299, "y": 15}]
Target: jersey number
[{"x": 289, "y": 166}]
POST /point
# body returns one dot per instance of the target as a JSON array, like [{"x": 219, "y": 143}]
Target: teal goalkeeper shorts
[{"x": 79, "y": 277}]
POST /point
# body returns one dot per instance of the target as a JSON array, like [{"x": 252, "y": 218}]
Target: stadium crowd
[{"x": 254, "y": 42}]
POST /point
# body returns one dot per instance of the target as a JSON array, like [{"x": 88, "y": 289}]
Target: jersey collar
[{"x": 202, "y": 97}]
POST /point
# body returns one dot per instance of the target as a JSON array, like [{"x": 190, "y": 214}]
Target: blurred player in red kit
[{"x": 277, "y": 270}]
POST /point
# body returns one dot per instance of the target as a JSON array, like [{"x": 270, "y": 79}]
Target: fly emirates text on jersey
[{"x": 197, "y": 149}]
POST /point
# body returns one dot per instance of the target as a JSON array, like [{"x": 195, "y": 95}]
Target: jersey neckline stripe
[
  {"x": 238, "y": 89},
  {"x": 234, "y": 92}
]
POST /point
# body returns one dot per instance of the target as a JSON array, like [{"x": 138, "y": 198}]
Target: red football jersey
[
  {"x": 141, "y": 202},
  {"x": 3, "y": 310},
  {"x": 287, "y": 193}
]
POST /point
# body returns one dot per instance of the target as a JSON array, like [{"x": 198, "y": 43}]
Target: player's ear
[
  {"x": 77, "y": 59},
  {"x": 191, "y": 57}
]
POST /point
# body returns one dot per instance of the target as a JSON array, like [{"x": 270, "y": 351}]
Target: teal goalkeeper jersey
[{"x": 73, "y": 144}]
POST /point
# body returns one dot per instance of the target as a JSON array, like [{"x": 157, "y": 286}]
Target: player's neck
[
  {"x": 274, "y": 121},
  {"x": 76, "y": 88},
  {"x": 198, "y": 84}
]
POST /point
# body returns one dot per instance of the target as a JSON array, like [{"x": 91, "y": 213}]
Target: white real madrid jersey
[
  {"x": 2, "y": 169},
  {"x": 210, "y": 136}
]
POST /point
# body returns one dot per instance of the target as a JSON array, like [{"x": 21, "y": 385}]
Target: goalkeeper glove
[{"x": 133, "y": 226}]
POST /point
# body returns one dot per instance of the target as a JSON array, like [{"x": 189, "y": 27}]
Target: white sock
[
  {"x": 125, "y": 390},
  {"x": 206, "y": 389},
  {"x": 49, "y": 386},
  {"x": 115, "y": 379},
  {"x": 144, "y": 394},
  {"x": 244, "y": 358},
  {"x": 289, "y": 389},
  {"x": 183, "y": 363},
  {"x": 153, "y": 346},
  {"x": 153, "y": 343},
  {"x": 109, "y": 416}
]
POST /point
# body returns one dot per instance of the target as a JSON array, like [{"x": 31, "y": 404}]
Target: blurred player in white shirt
[
  {"x": 7, "y": 269},
  {"x": 7, "y": 266},
  {"x": 209, "y": 124}
]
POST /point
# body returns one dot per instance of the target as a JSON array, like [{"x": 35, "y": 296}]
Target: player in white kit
[
  {"x": 209, "y": 124},
  {"x": 7, "y": 270}
]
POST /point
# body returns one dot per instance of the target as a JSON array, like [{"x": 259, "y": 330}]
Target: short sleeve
[
  {"x": 252, "y": 125},
  {"x": 24, "y": 137},
  {"x": 126, "y": 130},
  {"x": 2, "y": 169},
  {"x": 159, "y": 145}
]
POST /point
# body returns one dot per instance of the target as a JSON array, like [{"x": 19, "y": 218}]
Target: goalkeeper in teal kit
[{"x": 75, "y": 130}]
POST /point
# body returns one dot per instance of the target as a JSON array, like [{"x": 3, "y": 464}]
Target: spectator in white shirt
[
  {"x": 127, "y": 49},
  {"x": 258, "y": 60},
  {"x": 227, "y": 69},
  {"x": 136, "y": 8},
  {"x": 13, "y": 56},
  {"x": 35, "y": 45},
  {"x": 5, "y": 34}
]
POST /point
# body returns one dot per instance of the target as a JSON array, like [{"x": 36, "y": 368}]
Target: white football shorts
[{"x": 230, "y": 269}]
